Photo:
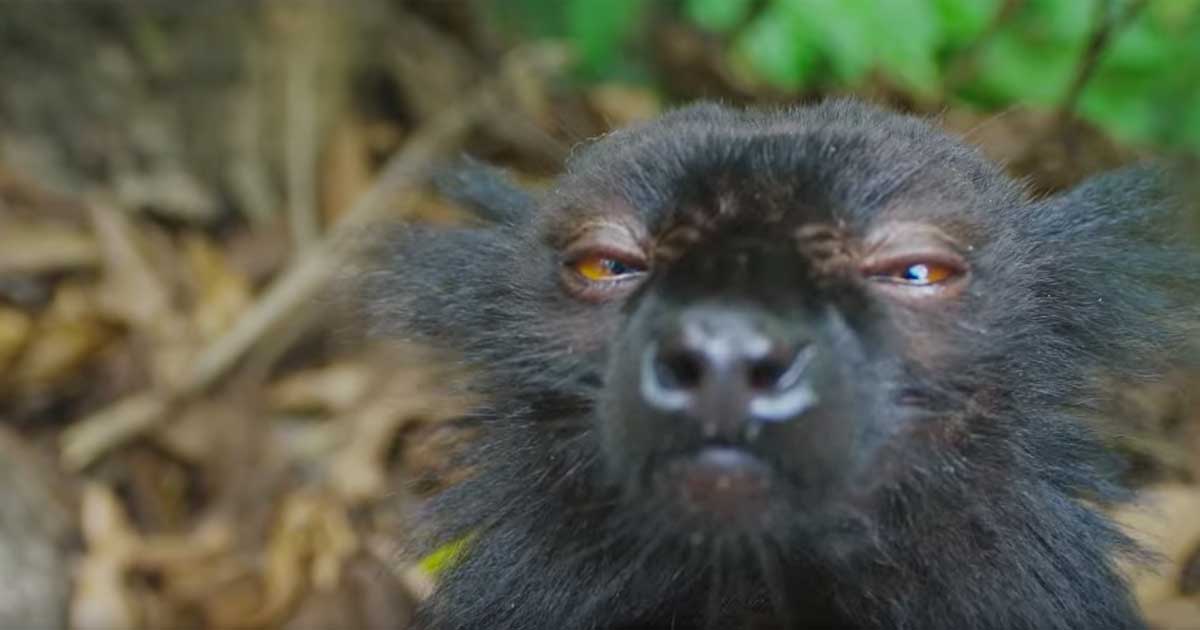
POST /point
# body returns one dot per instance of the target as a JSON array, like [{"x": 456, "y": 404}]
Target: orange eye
[
  {"x": 919, "y": 274},
  {"x": 601, "y": 268},
  {"x": 925, "y": 273}
]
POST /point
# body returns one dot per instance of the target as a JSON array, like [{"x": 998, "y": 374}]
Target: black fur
[
  {"x": 484, "y": 189},
  {"x": 982, "y": 512}
]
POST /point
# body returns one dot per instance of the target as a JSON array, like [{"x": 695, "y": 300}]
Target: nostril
[
  {"x": 779, "y": 371},
  {"x": 766, "y": 373},
  {"x": 679, "y": 370},
  {"x": 669, "y": 380}
]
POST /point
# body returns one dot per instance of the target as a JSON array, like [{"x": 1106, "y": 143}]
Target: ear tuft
[
  {"x": 1124, "y": 246},
  {"x": 485, "y": 190}
]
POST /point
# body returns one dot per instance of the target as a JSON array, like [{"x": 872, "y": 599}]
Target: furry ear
[
  {"x": 444, "y": 285},
  {"x": 485, "y": 190},
  {"x": 479, "y": 291},
  {"x": 1122, "y": 258},
  {"x": 454, "y": 285}
]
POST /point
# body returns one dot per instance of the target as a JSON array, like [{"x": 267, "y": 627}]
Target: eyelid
[
  {"x": 577, "y": 254},
  {"x": 616, "y": 235},
  {"x": 607, "y": 240},
  {"x": 880, "y": 264}
]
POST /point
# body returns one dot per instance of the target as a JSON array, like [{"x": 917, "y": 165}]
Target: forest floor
[{"x": 194, "y": 407}]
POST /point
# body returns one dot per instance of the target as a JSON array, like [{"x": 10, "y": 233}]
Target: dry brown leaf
[
  {"x": 330, "y": 389},
  {"x": 370, "y": 597},
  {"x": 620, "y": 105},
  {"x": 188, "y": 566},
  {"x": 136, "y": 293},
  {"x": 1167, "y": 521},
  {"x": 15, "y": 327},
  {"x": 221, "y": 293},
  {"x": 192, "y": 433},
  {"x": 66, "y": 335},
  {"x": 133, "y": 290},
  {"x": 358, "y": 471},
  {"x": 310, "y": 545},
  {"x": 194, "y": 569},
  {"x": 101, "y": 600},
  {"x": 232, "y": 605},
  {"x": 28, "y": 248},
  {"x": 308, "y": 444},
  {"x": 106, "y": 527}
]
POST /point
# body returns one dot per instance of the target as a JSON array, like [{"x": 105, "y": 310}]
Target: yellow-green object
[{"x": 445, "y": 556}]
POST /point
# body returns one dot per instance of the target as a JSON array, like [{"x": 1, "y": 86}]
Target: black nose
[{"x": 726, "y": 367}]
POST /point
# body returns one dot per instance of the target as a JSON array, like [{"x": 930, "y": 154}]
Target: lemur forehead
[{"x": 822, "y": 243}]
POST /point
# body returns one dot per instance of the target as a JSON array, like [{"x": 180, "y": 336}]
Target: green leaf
[
  {"x": 1122, "y": 109},
  {"x": 1172, "y": 13},
  {"x": 1143, "y": 90},
  {"x": 540, "y": 18},
  {"x": 907, "y": 42},
  {"x": 1188, "y": 132},
  {"x": 782, "y": 50},
  {"x": 963, "y": 20},
  {"x": 718, "y": 15},
  {"x": 1058, "y": 21},
  {"x": 841, "y": 31},
  {"x": 1012, "y": 70},
  {"x": 598, "y": 30},
  {"x": 1140, "y": 46}
]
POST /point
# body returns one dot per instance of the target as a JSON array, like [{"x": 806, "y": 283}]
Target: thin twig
[{"x": 1108, "y": 26}]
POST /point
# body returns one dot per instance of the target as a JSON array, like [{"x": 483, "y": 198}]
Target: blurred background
[{"x": 196, "y": 430}]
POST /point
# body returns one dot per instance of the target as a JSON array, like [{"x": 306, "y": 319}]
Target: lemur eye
[
  {"x": 602, "y": 274},
  {"x": 914, "y": 260},
  {"x": 605, "y": 262},
  {"x": 917, "y": 270},
  {"x": 604, "y": 268},
  {"x": 919, "y": 273}
]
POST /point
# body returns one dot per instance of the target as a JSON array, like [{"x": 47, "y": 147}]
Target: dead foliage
[{"x": 199, "y": 434}]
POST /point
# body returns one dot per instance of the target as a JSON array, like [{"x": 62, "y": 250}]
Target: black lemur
[{"x": 818, "y": 367}]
